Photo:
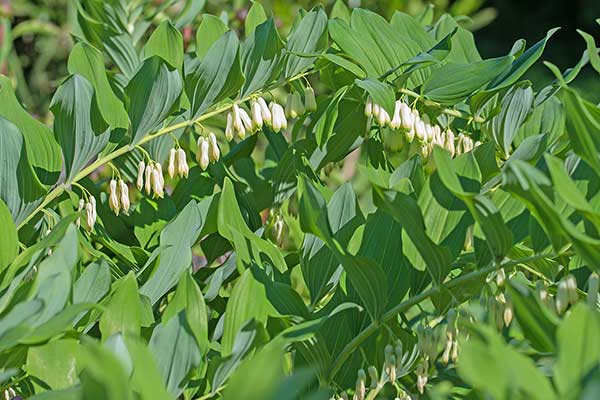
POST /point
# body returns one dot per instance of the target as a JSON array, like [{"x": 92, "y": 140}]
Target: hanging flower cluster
[
  {"x": 451, "y": 349},
  {"x": 413, "y": 125},
  {"x": 118, "y": 196},
  {"x": 566, "y": 294},
  {"x": 90, "y": 212},
  {"x": 208, "y": 150},
  {"x": 178, "y": 163},
  {"x": 150, "y": 178}
]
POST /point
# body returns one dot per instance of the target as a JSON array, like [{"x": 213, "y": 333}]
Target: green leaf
[
  {"x": 453, "y": 83},
  {"x": 54, "y": 363},
  {"x": 210, "y": 30},
  {"x": 308, "y": 37},
  {"x": 176, "y": 240},
  {"x": 261, "y": 57},
  {"x": 9, "y": 245},
  {"x": 86, "y": 60},
  {"x": 498, "y": 370},
  {"x": 256, "y": 16},
  {"x": 77, "y": 127},
  {"x": 152, "y": 96},
  {"x": 166, "y": 42},
  {"x": 372, "y": 42},
  {"x": 217, "y": 77},
  {"x": 328, "y": 117},
  {"x": 189, "y": 298},
  {"x": 463, "y": 49},
  {"x": 370, "y": 282},
  {"x": 521, "y": 64},
  {"x": 583, "y": 122},
  {"x": 176, "y": 352},
  {"x": 515, "y": 107},
  {"x": 42, "y": 150},
  {"x": 93, "y": 283},
  {"x": 381, "y": 93},
  {"x": 146, "y": 377},
  {"x": 122, "y": 314},
  {"x": 240, "y": 310},
  {"x": 578, "y": 350},
  {"x": 536, "y": 322}
]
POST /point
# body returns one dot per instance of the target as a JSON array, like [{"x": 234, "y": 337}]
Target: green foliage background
[{"x": 297, "y": 260}]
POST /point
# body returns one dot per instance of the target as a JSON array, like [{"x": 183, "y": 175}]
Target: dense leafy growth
[{"x": 183, "y": 230}]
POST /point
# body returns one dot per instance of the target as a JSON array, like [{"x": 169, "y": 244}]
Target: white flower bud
[
  {"x": 257, "y": 119},
  {"x": 361, "y": 389},
  {"x": 406, "y": 116},
  {"x": 383, "y": 119},
  {"x": 213, "y": 148},
  {"x": 264, "y": 110},
  {"x": 182, "y": 166},
  {"x": 148, "y": 177},
  {"x": 310, "y": 103},
  {"x": 369, "y": 108},
  {"x": 89, "y": 214},
  {"x": 246, "y": 120},
  {"x": 113, "y": 199},
  {"x": 157, "y": 186},
  {"x": 562, "y": 297},
  {"x": 572, "y": 289},
  {"x": 279, "y": 120},
  {"x": 171, "y": 167},
  {"x": 237, "y": 120},
  {"x": 508, "y": 313},
  {"x": 160, "y": 174},
  {"x": 447, "y": 350},
  {"x": 203, "y": 158},
  {"x": 420, "y": 131},
  {"x": 375, "y": 112},
  {"x": 229, "y": 127},
  {"x": 124, "y": 196},
  {"x": 93, "y": 203},
  {"x": 449, "y": 141},
  {"x": 374, "y": 376},
  {"x": 396, "y": 122},
  {"x": 80, "y": 206},
  {"x": 500, "y": 277},
  {"x": 140, "y": 176}
]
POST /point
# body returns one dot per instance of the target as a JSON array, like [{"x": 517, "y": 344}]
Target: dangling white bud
[
  {"x": 160, "y": 174},
  {"x": 508, "y": 313},
  {"x": 93, "y": 203},
  {"x": 449, "y": 141},
  {"x": 246, "y": 120},
  {"x": 157, "y": 186},
  {"x": 406, "y": 116},
  {"x": 257, "y": 119},
  {"x": 237, "y": 120},
  {"x": 383, "y": 119},
  {"x": 369, "y": 108},
  {"x": 140, "y": 176},
  {"x": 171, "y": 167},
  {"x": 361, "y": 388},
  {"x": 202, "y": 156},
  {"x": 264, "y": 110},
  {"x": 113, "y": 199},
  {"x": 396, "y": 119},
  {"x": 562, "y": 297},
  {"x": 79, "y": 208},
  {"x": 375, "y": 112},
  {"x": 420, "y": 131},
  {"x": 148, "y": 177},
  {"x": 124, "y": 196},
  {"x": 279, "y": 120},
  {"x": 374, "y": 376},
  {"x": 409, "y": 135},
  {"x": 182, "y": 166},
  {"x": 500, "y": 277},
  {"x": 572, "y": 289},
  {"x": 89, "y": 214},
  {"x": 213, "y": 148},
  {"x": 229, "y": 127},
  {"x": 310, "y": 103}
]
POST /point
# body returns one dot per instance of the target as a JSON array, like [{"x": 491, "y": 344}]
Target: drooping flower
[
  {"x": 182, "y": 166},
  {"x": 140, "y": 176},
  {"x": 113, "y": 198},
  {"x": 171, "y": 166},
  {"x": 310, "y": 103}
]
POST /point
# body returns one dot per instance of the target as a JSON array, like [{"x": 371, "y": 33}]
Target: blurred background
[{"x": 35, "y": 35}]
